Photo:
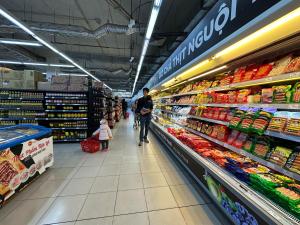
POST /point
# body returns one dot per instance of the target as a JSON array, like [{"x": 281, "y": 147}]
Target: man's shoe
[
  {"x": 146, "y": 140},
  {"x": 140, "y": 143}
]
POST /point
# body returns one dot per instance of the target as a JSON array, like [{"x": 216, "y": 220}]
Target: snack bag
[
  {"x": 296, "y": 93},
  {"x": 226, "y": 80},
  {"x": 262, "y": 146},
  {"x": 239, "y": 74},
  {"x": 248, "y": 119},
  {"x": 293, "y": 66},
  {"x": 267, "y": 95},
  {"x": 242, "y": 95},
  {"x": 293, "y": 124},
  {"x": 223, "y": 114},
  {"x": 263, "y": 71},
  {"x": 279, "y": 65},
  {"x": 240, "y": 140},
  {"x": 223, "y": 133},
  {"x": 232, "y": 136},
  {"x": 250, "y": 72},
  {"x": 279, "y": 155},
  {"x": 279, "y": 121},
  {"x": 293, "y": 162},
  {"x": 262, "y": 120},
  {"x": 249, "y": 144},
  {"x": 238, "y": 117},
  {"x": 232, "y": 96},
  {"x": 282, "y": 93}
]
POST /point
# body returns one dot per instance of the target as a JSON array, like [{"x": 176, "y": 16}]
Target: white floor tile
[
  {"x": 159, "y": 198},
  {"x": 109, "y": 170},
  {"x": 185, "y": 195},
  {"x": 167, "y": 217},
  {"x": 130, "y": 168},
  {"x": 64, "y": 209},
  {"x": 101, "y": 221},
  {"x": 98, "y": 205},
  {"x": 132, "y": 219},
  {"x": 130, "y": 181},
  {"x": 78, "y": 187},
  {"x": 58, "y": 173},
  {"x": 175, "y": 178},
  {"x": 194, "y": 214},
  {"x": 50, "y": 188},
  {"x": 105, "y": 184},
  {"x": 93, "y": 162},
  {"x": 154, "y": 180},
  {"x": 130, "y": 201},
  {"x": 87, "y": 171}
]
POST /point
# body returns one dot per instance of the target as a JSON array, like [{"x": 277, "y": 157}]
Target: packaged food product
[
  {"x": 293, "y": 124},
  {"x": 293, "y": 162},
  {"x": 261, "y": 122},
  {"x": 238, "y": 117},
  {"x": 262, "y": 146},
  {"x": 232, "y": 136},
  {"x": 223, "y": 114},
  {"x": 296, "y": 93},
  {"x": 242, "y": 95},
  {"x": 267, "y": 95},
  {"x": 263, "y": 71},
  {"x": 249, "y": 144},
  {"x": 223, "y": 132},
  {"x": 279, "y": 65},
  {"x": 215, "y": 83},
  {"x": 279, "y": 121},
  {"x": 279, "y": 155},
  {"x": 293, "y": 66},
  {"x": 282, "y": 93},
  {"x": 284, "y": 178},
  {"x": 254, "y": 98},
  {"x": 240, "y": 140},
  {"x": 248, "y": 119},
  {"x": 239, "y": 74},
  {"x": 250, "y": 72},
  {"x": 266, "y": 181},
  {"x": 226, "y": 80},
  {"x": 232, "y": 96}
]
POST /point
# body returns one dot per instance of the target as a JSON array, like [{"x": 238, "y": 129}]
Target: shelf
[
  {"x": 247, "y": 154},
  {"x": 69, "y": 128},
  {"x": 20, "y": 118},
  {"x": 57, "y": 110},
  {"x": 68, "y": 104},
  {"x": 266, "y": 80},
  {"x": 209, "y": 120},
  {"x": 293, "y": 106},
  {"x": 254, "y": 200},
  {"x": 283, "y": 136},
  {"x": 27, "y": 99},
  {"x": 65, "y": 97},
  {"x": 20, "y": 108},
  {"x": 65, "y": 118}
]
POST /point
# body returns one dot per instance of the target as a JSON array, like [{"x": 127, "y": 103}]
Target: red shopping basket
[
  {"x": 127, "y": 115},
  {"x": 91, "y": 144}
]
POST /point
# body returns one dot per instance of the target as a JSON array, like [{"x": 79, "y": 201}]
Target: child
[{"x": 104, "y": 134}]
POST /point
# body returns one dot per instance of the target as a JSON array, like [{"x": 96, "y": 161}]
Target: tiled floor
[{"x": 129, "y": 185}]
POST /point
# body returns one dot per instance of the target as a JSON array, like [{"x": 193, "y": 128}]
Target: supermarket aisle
[{"x": 128, "y": 185}]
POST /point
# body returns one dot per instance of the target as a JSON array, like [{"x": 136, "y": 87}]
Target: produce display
[{"x": 63, "y": 135}]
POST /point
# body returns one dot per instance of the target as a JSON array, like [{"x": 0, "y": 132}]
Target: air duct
[{"x": 71, "y": 30}]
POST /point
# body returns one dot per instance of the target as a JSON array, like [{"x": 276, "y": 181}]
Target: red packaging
[
  {"x": 264, "y": 71},
  {"x": 232, "y": 95},
  {"x": 240, "y": 140},
  {"x": 223, "y": 114},
  {"x": 250, "y": 72},
  {"x": 293, "y": 66},
  {"x": 216, "y": 114},
  {"x": 223, "y": 133},
  {"x": 239, "y": 74},
  {"x": 232, "y": 136}
]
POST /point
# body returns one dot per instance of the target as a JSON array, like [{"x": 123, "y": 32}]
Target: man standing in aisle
[{"x": 145, "y": 107}]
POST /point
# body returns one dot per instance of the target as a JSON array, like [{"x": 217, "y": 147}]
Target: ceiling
[{"x": 95, "y": 34}]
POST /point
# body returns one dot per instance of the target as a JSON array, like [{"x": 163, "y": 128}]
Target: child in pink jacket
[{"x": 104, "y": 134}]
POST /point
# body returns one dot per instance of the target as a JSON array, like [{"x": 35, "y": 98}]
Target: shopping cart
[{"x": 91, "y": 144}]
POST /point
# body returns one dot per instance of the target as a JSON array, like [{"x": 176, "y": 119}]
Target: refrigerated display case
[{"x": 26, "y": 151}]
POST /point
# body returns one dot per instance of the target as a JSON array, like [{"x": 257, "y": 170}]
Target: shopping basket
[{"x": 91, "y": 144}]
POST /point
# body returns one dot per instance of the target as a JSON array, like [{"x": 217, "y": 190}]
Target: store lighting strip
[
  {"x": 12, "y": 19},
  {"x": 150, "y": 28},
  {"x": 19, "y": 42},
  {"x": 35, "y": 64},
  {"x": 209, "y": 72}
]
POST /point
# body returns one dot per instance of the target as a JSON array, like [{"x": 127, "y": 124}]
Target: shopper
[
  {"x": 144, "y": 108},
  {"x": 104, "y": 134},
  {"x": 124, "y": 107}
]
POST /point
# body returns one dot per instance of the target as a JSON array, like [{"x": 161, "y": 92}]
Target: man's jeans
[{"x": 145, "y": 122}]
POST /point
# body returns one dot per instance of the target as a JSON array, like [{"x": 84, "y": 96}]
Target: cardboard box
[
  {"x": 29, "y": 84},
  {"x": 44, "y": 86},
  {"x": 33, "y": 75},
  {"x": 12, "y": 84},
  {"x": 78, "y": 80},
  {"x": 77, "y": 87},
  {"x": 13, "y": 75},
  {"x": 59, "y": 87},
  {"x": 60, "y": 80}
]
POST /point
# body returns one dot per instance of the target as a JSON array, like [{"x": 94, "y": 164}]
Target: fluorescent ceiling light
[
  {"x": 72, "y": 74},
  {"x": 150, "y": 28},
  {"x": 12, "y": 19},
  {"x": 19, "y": 42},
  {"x": 209, "y": 72},
  {"x": 35, "y": 64}
]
